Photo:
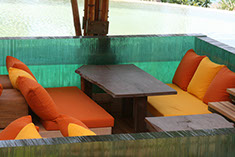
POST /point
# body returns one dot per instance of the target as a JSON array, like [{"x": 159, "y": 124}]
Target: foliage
[
  {"x": 227, "y": 5},
  {"x": 202, "y": 3}
]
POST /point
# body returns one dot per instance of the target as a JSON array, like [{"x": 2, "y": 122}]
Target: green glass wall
[
  {"x": 54, "y": 61},
  {"x": 216, "y": 51}
]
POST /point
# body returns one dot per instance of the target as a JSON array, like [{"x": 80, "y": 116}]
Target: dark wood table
[
  {"x": 128, "y": 82},
  {"x": 191, "y": 122}
]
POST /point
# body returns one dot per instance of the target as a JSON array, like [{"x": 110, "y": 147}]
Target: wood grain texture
[
  {"x": 140, "y": 111},
  {"x": 12, "y": 106},
  {"x": 225, "y": 108},
  {"x": 127, "y": 107},
  {"x": 124, "y": 80},
  {"x": 86, "y": 87},
  {"x": 76, "y": 18},
  {"x": 5, "y": 81},
  {"x": 191, "y": 122},
  {"x": 231, "y": 91}
]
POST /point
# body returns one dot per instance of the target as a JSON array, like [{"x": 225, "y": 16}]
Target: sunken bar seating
[
  {"x": 197, "y": 81},
  {"x": 70, "y": 101}
]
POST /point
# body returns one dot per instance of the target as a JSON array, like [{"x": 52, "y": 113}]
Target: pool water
[{"x": 54, "y": 18}]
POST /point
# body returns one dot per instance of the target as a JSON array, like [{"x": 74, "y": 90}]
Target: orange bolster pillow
[
  {"x": 16, "y": 63},
  {"x": 37, "y": 98},
  {"x": 12, "y": 130},
  {"x": 63, "y": 123}
]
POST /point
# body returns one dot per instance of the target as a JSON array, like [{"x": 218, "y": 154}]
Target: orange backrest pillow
[
  {"x": 186, "y": 69},
  {"x": 16, "y": 63},
  {"x": 37, "y": 98},
  {"x": 224, "y": 79},
  {"x": 1, "y": 89},
  {"x": 63, "y": 123},
  {"x": 12, "y": 130}
]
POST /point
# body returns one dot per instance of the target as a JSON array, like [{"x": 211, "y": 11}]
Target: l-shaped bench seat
[
  {"x": 183, "y": 103},
  {"x": 70, "y": 101}
]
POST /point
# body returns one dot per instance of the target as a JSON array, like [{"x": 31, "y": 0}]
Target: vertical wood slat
[
  {"x": 95, "y": 10},
  {"x": 76, "y": 18},
  {"x": 91, "y": 12},
  {"x": 105, "y": 9},
  {"x": 85, "y": 16}
]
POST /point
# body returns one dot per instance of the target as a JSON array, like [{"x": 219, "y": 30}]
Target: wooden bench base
[{"x": 12, "y": 106}]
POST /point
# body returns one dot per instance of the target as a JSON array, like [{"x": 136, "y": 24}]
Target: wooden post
[
  {"x": 94, "y": 10},
  {"x": 76, "y": 18}
]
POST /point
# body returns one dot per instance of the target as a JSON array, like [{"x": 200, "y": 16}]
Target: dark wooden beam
[{"x": 76, "y": 18}]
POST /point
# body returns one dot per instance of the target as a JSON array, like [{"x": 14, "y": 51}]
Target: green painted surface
[
  {"x": 54, "y": 61},
  {"x": 215, "y": 53}
]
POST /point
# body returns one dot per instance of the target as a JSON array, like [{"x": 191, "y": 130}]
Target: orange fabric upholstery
[
  {"x": 186, "y": 69},
  {"x": 73, "y": 102},
  {"x": 176, "y": 105},
  {"x": 12, "y": 130},
  {"x": 37, "y": 98},
  {"x": 1, "y": 89},
  {"x": 16, "y": 63},
  {"x": 63, "y": 123},
  {"x": 217, "y": 90}
]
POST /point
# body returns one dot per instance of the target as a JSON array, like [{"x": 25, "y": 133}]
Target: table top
[
  {"x": 124, "y": 80},
  {"x": 190, "y": 122},
  {"x": 225, "y": 108}
]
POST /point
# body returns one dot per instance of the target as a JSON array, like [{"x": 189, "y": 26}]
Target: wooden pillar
[
  {"x": 76, "y": 18},
  {"x": 95, "y": 11}
]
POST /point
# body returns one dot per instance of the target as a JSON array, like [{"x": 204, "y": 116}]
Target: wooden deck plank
[
  {"x": 190, "y": 122},
  {"x": 222, "y": 108}
]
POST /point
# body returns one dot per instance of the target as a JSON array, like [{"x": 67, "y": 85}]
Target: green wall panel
[{"x": 216, "y": 51}]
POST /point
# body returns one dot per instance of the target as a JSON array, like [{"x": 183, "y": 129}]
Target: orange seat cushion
[
  {"x": 1, "y": 89},
  {"x": 16, "y": 63},
  {"x": 180, "y": 104},
  {"x": 63, "y": 122},
  {"x": 217, "y": 90},
  {"x": 203, "y": 77},
  {"x": 12, "y": 130},
  {"x": 37, "y": 98},
  {"x": 73, "y": 102},
  {"x": 186, "y": 69}
]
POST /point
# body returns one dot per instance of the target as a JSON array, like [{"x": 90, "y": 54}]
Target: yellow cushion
[
  {"x": 176, "y": 105},
  {"x": 28, "y": 132},
  {"x": 202, "y": 78},
  {"x": 77, "y": 130},
  {"x": 15, "y": 73}
]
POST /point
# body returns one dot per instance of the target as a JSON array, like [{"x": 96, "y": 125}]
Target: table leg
[
  {"x": 140, "y": 111},
  {"x": 127, "y": 107},
  {"x": 86, "y": 87}
]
